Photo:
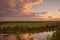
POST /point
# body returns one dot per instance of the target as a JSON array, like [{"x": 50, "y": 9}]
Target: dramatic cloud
[
  {"x": 27, "y": 4},
  {"x": 17, "y": 7},
  {"x": 23, "y": 6},
  {"x": 19, "y": 10},
  {"x": 5, "y": 9}
]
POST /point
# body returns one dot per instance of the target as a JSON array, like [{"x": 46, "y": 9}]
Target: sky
[
  {"x": 29, "y": 10},
  {"x": 50, "y": 6}
]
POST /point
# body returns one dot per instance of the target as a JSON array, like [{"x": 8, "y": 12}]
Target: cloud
[
  {"x": 50, "y": 17},
  {"x": 39, "y": 15},
  {"x": 17, "y": 7},
  {"x": 56, "y": 19},
  {"x": 21, "y": 19},
  {"x": 12, "y": 3},
  {"x": 37, "y": 2},
  {"x": 36, "y": 15},
  {"x": 59, "y": 10},
  {"x": 6, "y": 10},
  {"x": 27, "y": 4},
  {"x": 33, "y": 16},
  {"x": 19, "y": 10}
]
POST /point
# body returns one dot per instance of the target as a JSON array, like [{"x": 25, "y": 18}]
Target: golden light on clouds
[
  {"x": 25, "y": 10},
  {"x": 37, "y": 2},
  {"x": 56, "y": 16},
  {"x": 26, "y": 5},
  {"x": 49, "y": 18},
  {"x": 12, "y": 3},
  {"x": 43, "y": 15}
]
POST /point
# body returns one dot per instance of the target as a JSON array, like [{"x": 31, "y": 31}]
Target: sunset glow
[{"x": 30, "y": 9}]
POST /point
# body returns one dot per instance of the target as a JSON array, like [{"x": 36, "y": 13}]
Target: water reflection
[
  {"x": 12, "y": 37},
  {"x": 28, "y": 36},
  {"x": 42, "y": 35}
]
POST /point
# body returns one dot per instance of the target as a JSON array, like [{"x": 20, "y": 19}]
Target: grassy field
[{"x": 28, "y": 26}]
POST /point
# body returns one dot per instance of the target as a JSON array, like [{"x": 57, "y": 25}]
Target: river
[{"x": 27, "y": 36}]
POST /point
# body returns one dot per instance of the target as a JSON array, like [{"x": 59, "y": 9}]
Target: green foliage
[
  {"x": 18, "y": 36},
  {"x": 49, "y": 37},
  {"x": 22, "y": 27},
  {"x": 58, "y": 33},
  {"x": 54, "y": 36}
]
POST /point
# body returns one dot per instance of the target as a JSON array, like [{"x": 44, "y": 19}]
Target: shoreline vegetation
[
  {"x": 28, "y": 26},
  {"x": 22, "y": 27}
]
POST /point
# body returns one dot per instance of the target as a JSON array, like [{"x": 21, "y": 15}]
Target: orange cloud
[
  {"x": 49, "y": 18},
  {"x": 18, "y": 6},
  {"x": 26, "y": 8},
  {"x": 11, "y": 8},
  {"x": 37, "y": 2},
  {"x": 12, "y": 3},
  {"x": 43, "y": 15},
  {"x": 27, "y": 4},
  {"x": 40, "y": 15}
]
